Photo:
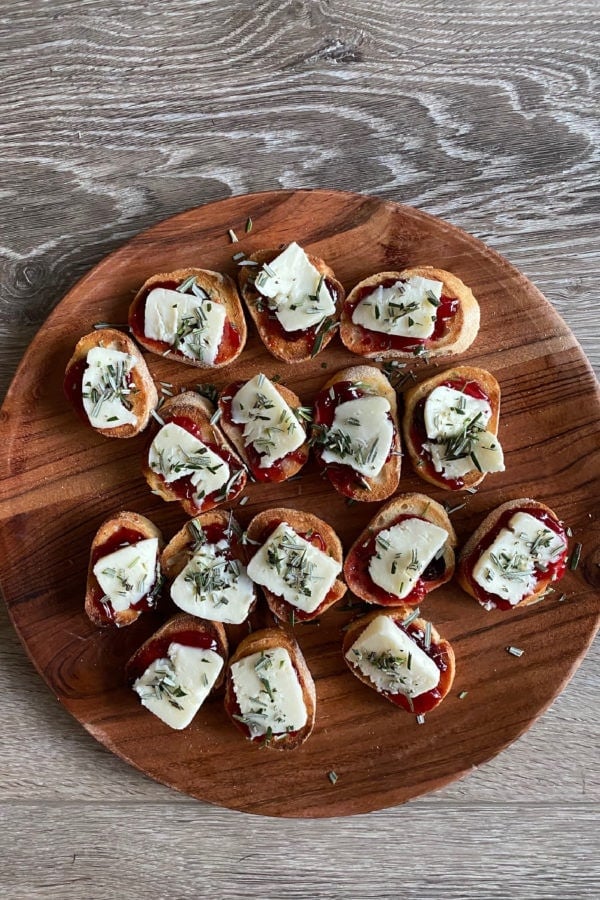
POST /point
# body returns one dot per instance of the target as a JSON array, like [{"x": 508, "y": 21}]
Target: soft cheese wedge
[
  {"x": 270, "y": 694},
  {"x": 124, "y": 575},
  {"x": 398, "y": 315},
  {"x": 402, "y": 657},
  {"x": 450, "y": 427},
  {"x": 294, "y": 299},
  {"x": 355, "y": 434},
  {"x": 517, "y": 552},
  {"x": 191, "y": 315},
  {"x": 177, "y": 668},
  {"x": 404, "y": 553},
  {"x": 109, "y": 384},
  {"x": 297, "y": 561},
  {"x": 206, "y": 562}
]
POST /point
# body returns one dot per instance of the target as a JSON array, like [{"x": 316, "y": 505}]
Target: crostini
[
  {"x": 177, "y": 668},
  {"x": 451, "y": 427},
  {"x": 189, "y": 460},
  {"x": 294, "y": 299},
  {"x": 124, "y": 576},
  {"x": 399, "y": 315},
  {"x": 206, "y": 563},
  {"x": 517, "y": 552},
  {"x": 269, "y": 692},
  {"x": 402, "y": 657},
  {"x": 297, "y": 563},
  {"x": 264, "y": 422},
  {"x": 192, "y": 315},
  {"x": 109, "y": 385},
  {"x": 356, "y": 435},
  {"x": 404, "y": 553}
]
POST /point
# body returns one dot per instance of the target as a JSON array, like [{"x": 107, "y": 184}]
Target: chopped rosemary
[
  {"x": 243, "y": 501},
  {"x": 232, "y": 236},
  {"x": 215, "y": 416},
  {"x": 121, "y": 326},
  {"x": 420, "y": 719},
  {"x": 462, "y": 695},
  {"x": 156, "y": 416},
  {"x": 248, "y": 225},
  {"x": 515, "y": 651},
  {"x": 333, "y": 777},
  {"x": 427, "y": 635},
  {"x": 451, "y": 509},
  {"x": 410, "y": 618},
  {"x": 575, "y": 557},
  {"x": 210, "y": 391}
]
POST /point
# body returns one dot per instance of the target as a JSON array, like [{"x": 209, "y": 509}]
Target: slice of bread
[
  {"x": 295, "y": 346},
  {"x": 345, "y": 479},
  {"x": 129, "y": 527},
  {"x": 287, "y": 466},
  {"x": 184, "y": 629},
  {"x": 483, "y": 537},
  {"x": 356, "y": 565},
  {"x": 461, "y": 330},
  {"x": 261, "y": 641},
  {"x": 440, "y": 651},
  {"x": 413, "y": 396},
  {"x": 198, "y": 411},
  {"x": 143, "y": 396},
  {"x": 221, "y": 289},
  {"x": 260, "y": 529}
]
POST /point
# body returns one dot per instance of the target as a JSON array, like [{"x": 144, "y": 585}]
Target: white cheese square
[
  {"x": 105, "y": 388},
  {"x": 487, "y": 450},
  {"x": 506, "y": 568},
  {"x": 291, "y": 282},
  {"x": 192, "y": 323},
  {"x": 128, "y": 574},
  {"x": 175, "y": 453},
  {"x": 447, "y": 413},
  {"x": 269, "y": 693},
  {"x": 175, "y": 687},
  {"x": 403, "y": 552},
  {"x": 360, "y": 435},
  {"x": 269, "y": 423},
  {"x": 291, "y": 567},
  {"x": 392, "y": 661},
  {"x": 544, "y": 544},
  {"x": 214, "y": 587},
  {"x": 406, "y": 309}
]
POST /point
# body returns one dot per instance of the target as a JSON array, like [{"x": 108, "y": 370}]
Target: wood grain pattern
[{"x": 389, "y": 759}]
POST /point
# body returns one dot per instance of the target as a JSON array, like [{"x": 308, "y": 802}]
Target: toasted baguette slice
[
  {"x": 293, "y": 346},
  {"x": 440, "y": 651},
  {"x": 221, "y": 289},
  {"x": 212, "y": 602},
  {"x": 440, "y": 570},
  {"x": 421, "y": 461},
  {"x": 197, "y": 409},
  {"x": 484, "y": 536},
  {"x": 461, "y": 330},
  {"x": 261, "y": 642},
  {"x": 344, "y": 478},
  {"x": 122, "y": 529},
  {"x": 287, "y": 466},
  {"x": 260, "y": 529},
  {"x": 142, "y": 397}
]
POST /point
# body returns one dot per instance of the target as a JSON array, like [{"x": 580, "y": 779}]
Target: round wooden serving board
[{"x": 59, "y": 480}]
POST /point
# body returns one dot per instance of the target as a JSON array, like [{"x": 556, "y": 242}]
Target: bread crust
[
  {"x": 462, "y": 331},
  {"x": 386, "y": 482},
  {"x": 398, "y": 614},
  {"x": 261, "y": 641},
  {"x": 403, "y": 504},
  {"x": 177, "y": 624},
  {"x": 467, "y": 560},
  {"x": 420, "y": 391},
  {"x": 221, "y": 288},
  {"x": 199, "y": 410},
  {"x": 289, "y": 465},
  {"x": 262, "y": 526},
  {"x": 143, "y": 400},
  {"x": 123, "y": 519},
  {"x": 292, "y": 350}
]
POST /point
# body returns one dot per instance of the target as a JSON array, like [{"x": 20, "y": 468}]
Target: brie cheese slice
[
  {"x": 128, "y": 574},
  {"x": 191, "y": 323},
  {"x": 175, "y": 453},
  {"x": 268, "y": 693},
  {"x": 214, "y": 587},
  {"x": 106, "y": 390},
  {"x": 269, "y": 423},
  {"x": 403, "y": 552},
  {"x": 406, "y": 309},
  {"x": 295, "y": 290},
  {"x": 360, "y": 435}
]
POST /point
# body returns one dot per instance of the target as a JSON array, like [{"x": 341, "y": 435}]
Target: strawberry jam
[
  {"x": 158, "y": 648},
  {"x": 121, "y": 537}
]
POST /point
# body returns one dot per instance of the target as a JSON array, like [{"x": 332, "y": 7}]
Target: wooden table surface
[{"x": 114, "y": 115}]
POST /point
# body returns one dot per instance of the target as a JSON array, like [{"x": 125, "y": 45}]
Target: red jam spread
[
  {"x": 230, "y": 339},
  {"x": 277, "y": 471},
  {"x": 418, "y": 432},
  {"x": 372, "y": 341},
  {"x": 554, "y": 571},
  {"x": 218, "y": 531},
  {"x": 158, "y": 649},
  {"x": 183, "y": 488},
  {"x": 73, "y": 387},
  {"x": 121, "y": 537},
  {"x": 358, "y": 561},
  {"x": 344, "y": 478}
]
